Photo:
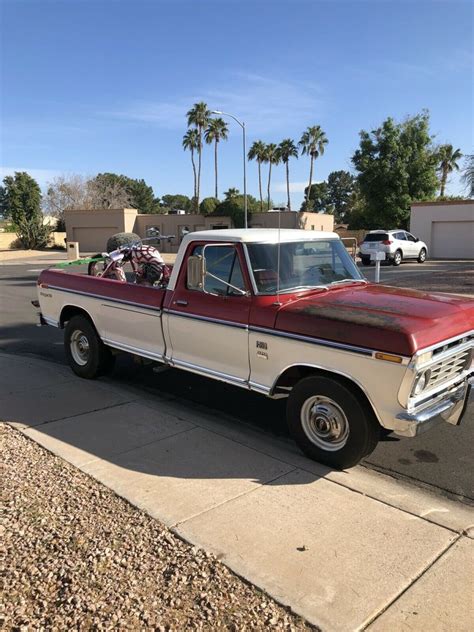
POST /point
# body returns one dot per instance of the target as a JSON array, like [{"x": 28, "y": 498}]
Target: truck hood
[{"x": 380, "y": 317}]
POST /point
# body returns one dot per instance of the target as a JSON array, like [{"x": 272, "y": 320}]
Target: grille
[{"x": 448, "y": 368}]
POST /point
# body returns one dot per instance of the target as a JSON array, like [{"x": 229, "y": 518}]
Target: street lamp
[{"x": 242, "y": 125}]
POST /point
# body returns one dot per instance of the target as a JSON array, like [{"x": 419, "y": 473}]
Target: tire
[
  {"x": 397, "y": 258},
  {"x": 422, "y": 256},
  {"x": 316, "y": 401},
  {"x": 94, "y": 267},
  {"x": 86, "y": 354},
  {"x": 365, "y": 261}
]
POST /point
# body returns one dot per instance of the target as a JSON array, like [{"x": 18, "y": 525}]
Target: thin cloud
[{"x": 264, "y": 103}]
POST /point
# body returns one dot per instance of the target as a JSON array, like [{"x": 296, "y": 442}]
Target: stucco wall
[
  {"x": 9, "y": 241},
  {"x": 92, "y": 228},
  {"x": 456, "y": 218}
]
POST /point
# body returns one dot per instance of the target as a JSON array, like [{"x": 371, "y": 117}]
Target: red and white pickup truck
[{"x": 353, "y": 358}]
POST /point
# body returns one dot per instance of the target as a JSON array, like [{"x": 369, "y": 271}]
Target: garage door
[
  {"x": 452, "y": 240},
  {"x": 93, "y": 239}
]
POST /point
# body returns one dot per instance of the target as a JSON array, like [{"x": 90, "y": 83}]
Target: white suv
[{"x": 397, "y": 245}]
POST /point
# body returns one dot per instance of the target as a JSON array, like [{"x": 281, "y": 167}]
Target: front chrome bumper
[{"x": 450, "y": 408}]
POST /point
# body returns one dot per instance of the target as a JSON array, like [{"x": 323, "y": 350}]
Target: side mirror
[
  {"x": 196, "y": 272},
  {"x": 416, "y": 239}
]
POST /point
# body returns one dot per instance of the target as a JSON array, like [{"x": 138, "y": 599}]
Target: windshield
[{"x": 303, "y": 265}]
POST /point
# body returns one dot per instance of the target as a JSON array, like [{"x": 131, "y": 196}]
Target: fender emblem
[{"x": 261, "y": 345}]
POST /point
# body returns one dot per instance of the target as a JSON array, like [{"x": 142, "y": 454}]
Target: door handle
[{"x": 181, "y": 302}]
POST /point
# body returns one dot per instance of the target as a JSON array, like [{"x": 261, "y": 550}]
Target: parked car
[
  {"x": 396, "y": 244},
  {"x": 286, "y": 314}
]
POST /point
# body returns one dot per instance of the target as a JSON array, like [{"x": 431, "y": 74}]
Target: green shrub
[
  {"x": 121, "y": 239},
  {"x": 32, "y": 233}
]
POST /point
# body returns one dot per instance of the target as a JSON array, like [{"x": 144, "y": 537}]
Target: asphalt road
[{"x": 441, "y": 459}]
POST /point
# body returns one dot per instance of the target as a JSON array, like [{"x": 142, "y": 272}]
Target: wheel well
[
  {"x": 294, "y": 374},
  {"x": 72, "y": 310}
]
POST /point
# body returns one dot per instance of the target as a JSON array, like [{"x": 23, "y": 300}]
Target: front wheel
[
  {"x": 422, "y": 256},
  {"x": 87, "y": 355},
  {"x": 330, "y": 423}
]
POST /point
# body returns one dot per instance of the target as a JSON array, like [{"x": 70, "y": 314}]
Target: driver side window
[{"x": 222, "y": 262}]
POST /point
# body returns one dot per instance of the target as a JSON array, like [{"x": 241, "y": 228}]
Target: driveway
[{"x": 431, "y": 276}]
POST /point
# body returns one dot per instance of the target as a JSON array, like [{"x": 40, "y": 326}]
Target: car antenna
[{"x": 277, "y": 302}]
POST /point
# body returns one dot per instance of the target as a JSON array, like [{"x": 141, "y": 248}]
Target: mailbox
[{"x": 73, "y": 250}]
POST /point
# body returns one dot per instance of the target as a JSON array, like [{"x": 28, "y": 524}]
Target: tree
[
  {"x": 142, "y": 197},
  {"x": 110, "y": 190},
  {"x": 208, "y": 205},
  {"x": 318, "y": 198},
  {"x": 396, "y": 165},
  {"x": 312, "y": 143},
  {"x": 231, "y": 193},
  {"x": 216, "y": 131},
  {"x": 258, "y": 152},
  {"x": 191, "y": 143},
  {"x": 272, "y": 158},
  {"x": 340, "y": 191},
  {"x": 286, "y": 150},
  {"x": 177, "y": 202},
  {"x": 468, "y": 175},
  {"x": 199, "y": 116},
  {"x": 447, "y": 157},
  {"x": 22, "y": 203},
  {"x": 233, "y": 207}
]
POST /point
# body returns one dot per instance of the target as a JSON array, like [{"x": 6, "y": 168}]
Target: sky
[{"x": 89, "y": 86}]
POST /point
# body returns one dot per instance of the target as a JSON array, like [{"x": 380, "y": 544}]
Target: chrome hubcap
[
  {"x": 324, "y": 423},
  {"x": 80, "y": 347}
]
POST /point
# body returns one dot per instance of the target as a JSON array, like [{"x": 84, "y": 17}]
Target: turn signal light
[{"x": 388, "y": 357}]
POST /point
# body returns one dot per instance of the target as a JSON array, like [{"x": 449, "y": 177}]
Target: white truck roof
[{"x": 267, "y": 235}]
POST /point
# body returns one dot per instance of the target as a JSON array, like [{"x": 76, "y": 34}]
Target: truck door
[
  {"x": 208, "y": 331},
  {"x": 132, "y": 319}
]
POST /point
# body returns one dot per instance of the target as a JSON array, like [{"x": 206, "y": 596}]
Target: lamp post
[{"x": 242, "y": 125}]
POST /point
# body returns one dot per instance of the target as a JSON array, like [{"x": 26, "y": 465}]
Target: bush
[
  {"x": 32, "y": 233},
  {"x": 121, "y": 239}
]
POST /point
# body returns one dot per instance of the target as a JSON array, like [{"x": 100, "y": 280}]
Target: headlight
[{"x": 421, "y": 382}]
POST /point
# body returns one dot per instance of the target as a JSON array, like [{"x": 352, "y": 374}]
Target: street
[{"x": 441, "y": 459}]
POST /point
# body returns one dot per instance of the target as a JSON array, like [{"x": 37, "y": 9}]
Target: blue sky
[{"x": 91, "y": 86}]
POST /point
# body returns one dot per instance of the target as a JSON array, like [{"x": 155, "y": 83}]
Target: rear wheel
[
  {"x": 330, "y": 423},
  {"x": 87, "y": 355},
  {"x": 365, "y": 260},
  {"x": 397, "y": 258},
  {"x": 422, "y": 256}
]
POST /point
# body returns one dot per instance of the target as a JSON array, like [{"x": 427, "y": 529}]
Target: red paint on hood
[{"x": 395, "y": 320}]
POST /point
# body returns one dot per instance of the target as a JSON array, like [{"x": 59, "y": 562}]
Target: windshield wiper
[{"x": 348, "y": 281}]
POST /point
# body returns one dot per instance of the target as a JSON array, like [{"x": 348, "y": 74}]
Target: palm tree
[
  {"x": 312, "y": 143},
  {"x": 286, "y": 150},
  {"x": 273, "y": 158},
  {"x": 199, "y": 116},
  {"x": 216, "y": 131},
  {"x": 191, "y": 143},
  {"x": 231, "y": 193},
  {"x": 447, "y": 157},
  {"x": 258, "y": 152},
  {"x": 468, "y": 175}
]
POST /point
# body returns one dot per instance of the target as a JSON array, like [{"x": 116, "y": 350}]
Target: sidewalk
[
  {"x": 14, "y": 257},
  {"x": 345, "y": 550}
]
